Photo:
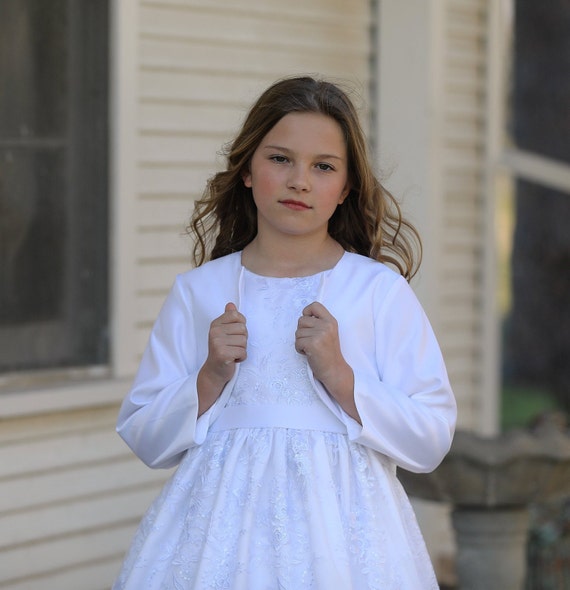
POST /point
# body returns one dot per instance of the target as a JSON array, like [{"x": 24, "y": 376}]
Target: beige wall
[
  {"x": 433, "y": 137},
  {"x": 70, "y": 495},
  {"x": 438, "y": 129}
]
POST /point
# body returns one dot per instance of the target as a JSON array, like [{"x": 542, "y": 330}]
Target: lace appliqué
[{"x": 274, "y": 372}]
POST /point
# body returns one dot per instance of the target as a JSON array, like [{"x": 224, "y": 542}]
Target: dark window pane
[
  {"x": 33, "y": 227},
  {"x": 53, "y": 184},
  {"x": 541, "y": 78},
  {"x": 536, "y": 345},
  {"x": 33, "y": 57}
]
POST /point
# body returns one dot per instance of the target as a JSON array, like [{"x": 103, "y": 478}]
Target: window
[
  {"x": 53, "y": 184},
  {"x": 534, "y": 212}
]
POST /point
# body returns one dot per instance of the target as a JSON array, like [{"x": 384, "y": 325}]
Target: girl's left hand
[{"x": 317, "y": 338}]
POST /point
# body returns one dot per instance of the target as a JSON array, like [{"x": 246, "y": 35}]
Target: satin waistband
[{"x": 314, "y": 417}]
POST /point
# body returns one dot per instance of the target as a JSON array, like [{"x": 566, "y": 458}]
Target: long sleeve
[
  {"x": 159, "y": 416},
  {"x": 406, "y": 405}
]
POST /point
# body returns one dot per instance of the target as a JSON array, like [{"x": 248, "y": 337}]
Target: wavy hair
[{"x": 369, "y": 221}]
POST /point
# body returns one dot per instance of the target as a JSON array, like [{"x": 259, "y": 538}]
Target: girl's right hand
[{"x": 227, "y": 344}]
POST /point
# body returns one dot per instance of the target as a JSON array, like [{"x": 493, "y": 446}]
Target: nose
[{"x": 299, "y": 179}]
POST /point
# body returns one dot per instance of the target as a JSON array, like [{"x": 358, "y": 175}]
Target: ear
[
  {"x": 344, "y": 194},
  {"x": 246, "y": 177}
]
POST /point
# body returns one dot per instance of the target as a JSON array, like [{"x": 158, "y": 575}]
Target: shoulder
[
  {"x": 219, "y": 269},
  {"x": 211, "y": 278},
  {"x": 362, "y": 284},
  {"x": 371, "y": 282},
  {"x": 368, "y": 270}
]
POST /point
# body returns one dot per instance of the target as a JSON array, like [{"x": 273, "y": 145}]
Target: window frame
[
  {"x": 55, "y": 154},
  {"x": 517, "y": 164},
  {"x": 36, "y": 392}
]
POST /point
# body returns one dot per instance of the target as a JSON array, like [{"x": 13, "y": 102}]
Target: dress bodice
[{"x": 274, "y": 372}]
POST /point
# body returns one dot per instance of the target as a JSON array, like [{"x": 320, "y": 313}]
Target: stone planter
[
  {"x": 490, "y": 482},
  {"x": 491, "y": 547}
]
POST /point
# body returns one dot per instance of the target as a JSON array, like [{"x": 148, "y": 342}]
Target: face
[{"x": 299, "y": 175}]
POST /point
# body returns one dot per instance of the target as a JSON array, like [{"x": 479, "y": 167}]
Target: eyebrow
[{"x": 280, "y": 148}]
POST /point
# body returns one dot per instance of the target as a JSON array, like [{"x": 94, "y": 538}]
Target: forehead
[{"x": 312, "y": 132}]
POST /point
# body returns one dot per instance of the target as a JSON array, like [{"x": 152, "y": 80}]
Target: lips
[{"x": 295, "y": 205}]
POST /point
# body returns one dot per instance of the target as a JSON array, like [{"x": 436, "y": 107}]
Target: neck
[{"x": 291, "y": 256}]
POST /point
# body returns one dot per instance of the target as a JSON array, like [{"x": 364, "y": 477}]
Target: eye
[
  {"x": 279, "y": 159},
  {"x": 325, "y": 167}
]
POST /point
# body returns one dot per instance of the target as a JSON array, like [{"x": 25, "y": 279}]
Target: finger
[
  {"x": 220, "y": 339},
  {"x": 316, "y": 309},
  {"x": 228, "y": 349},
  {"x": 304, "y": 346},
  {"x": 222, "y": 328},
  {"x": 299, "y": 346},
  {"x": 231, "y": 314},
  {"x": 240, "y": 354},
  {"x": 307, "y": 321},
  {"x": 236, "y": 354}
]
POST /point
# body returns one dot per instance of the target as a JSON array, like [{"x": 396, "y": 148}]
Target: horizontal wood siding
[
  {"x": 463, "y": 199},
  {"x": 71, "y": 496}
]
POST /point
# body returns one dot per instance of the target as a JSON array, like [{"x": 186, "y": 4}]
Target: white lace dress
[{"x": 277, "y": 497}]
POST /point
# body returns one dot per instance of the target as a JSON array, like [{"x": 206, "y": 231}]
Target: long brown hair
[{"x": 369, "y": 221}]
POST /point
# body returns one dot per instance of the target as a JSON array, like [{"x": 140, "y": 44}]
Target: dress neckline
[{"x": 273, "y": 277}]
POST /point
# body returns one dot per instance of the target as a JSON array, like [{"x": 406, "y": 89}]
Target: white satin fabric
[{"x": 277, "y": 487}]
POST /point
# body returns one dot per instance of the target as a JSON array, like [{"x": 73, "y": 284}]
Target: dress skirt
[{"x": 277, "y": 508}]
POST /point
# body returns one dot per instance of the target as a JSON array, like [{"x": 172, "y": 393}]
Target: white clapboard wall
[
  {"x": 71, "y": 494},
  {"x": 463, "y": 201}
]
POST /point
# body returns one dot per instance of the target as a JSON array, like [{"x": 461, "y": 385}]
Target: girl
[{"x": 289, "y": 375}]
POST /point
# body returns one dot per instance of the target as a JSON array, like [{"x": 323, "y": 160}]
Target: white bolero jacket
[{"x": 401, "y": 388}]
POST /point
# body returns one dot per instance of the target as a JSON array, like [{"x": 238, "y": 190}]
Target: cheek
[
  {"x": 263, "y": 182},
  {"x": 340, "y": 192}
]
